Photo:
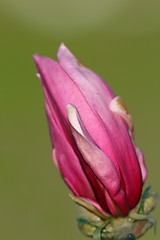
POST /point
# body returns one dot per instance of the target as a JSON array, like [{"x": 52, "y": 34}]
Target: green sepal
[
  {"x": 143, "y": 225},
  {"x": 145, "y": 195},
  {"x": 86, "y": 227}
]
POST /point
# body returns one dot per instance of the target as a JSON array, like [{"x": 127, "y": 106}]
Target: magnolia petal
[
  {"x": 113, "y": 138},
  {"x": 57, "y": 84},
  {"x": 112, "y": 206},
  {"x": 94, "y": 89},
  {"x": 86, "y": 79},
  {"x": 100, "y": 164},
  {"x": 95, "y": 158},
  {"x": 67, "y": 161},
  {"x": 117, "y": 106},
  {"x": 142, "y": 164}
]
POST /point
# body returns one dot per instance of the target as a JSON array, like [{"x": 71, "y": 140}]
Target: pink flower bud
[{"x": 92, "y": 135}]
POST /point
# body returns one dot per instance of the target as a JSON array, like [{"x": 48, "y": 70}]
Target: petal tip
[
  {"x": 36, "y": 57},
  {"x": 62, "y": 48},
  {"x": 118, "y": 106},
  {"x": 71, "y": 109},
  {"x": 72, "y": 116}
]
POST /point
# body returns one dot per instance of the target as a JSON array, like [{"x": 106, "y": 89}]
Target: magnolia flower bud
[{"x": 92, "y": 136}]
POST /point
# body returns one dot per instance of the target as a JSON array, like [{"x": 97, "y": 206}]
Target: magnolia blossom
[{"x": 92, "y": 135}]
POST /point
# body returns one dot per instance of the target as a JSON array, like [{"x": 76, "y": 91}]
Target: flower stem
[{"x": 97, "y": 235}]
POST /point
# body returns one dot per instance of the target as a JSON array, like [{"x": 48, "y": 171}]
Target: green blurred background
[{"x": 120, "y": 40}]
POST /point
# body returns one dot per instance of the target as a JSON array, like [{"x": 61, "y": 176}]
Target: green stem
[{"x": 97, "y": 235}]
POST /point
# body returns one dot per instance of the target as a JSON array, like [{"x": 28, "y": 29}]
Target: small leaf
[{"x": 87, "y": 205}]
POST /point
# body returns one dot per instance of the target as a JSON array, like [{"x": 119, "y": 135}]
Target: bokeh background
[{"x": 120, "y": 40}]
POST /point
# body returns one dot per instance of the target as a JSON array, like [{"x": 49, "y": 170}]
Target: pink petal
[
  {"x": 142, "y": 164},
  {"x": 110, "y": 134},
  {"x": 68, "y": 163},
  {"x": 62, "y": 90},
  {"x": 100, "y": 164},
  {"x": 94, "y": 89},
  {"x": 117, "y": 106},
  {"x": 115, "y": 139}
]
